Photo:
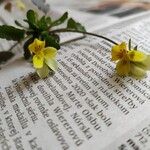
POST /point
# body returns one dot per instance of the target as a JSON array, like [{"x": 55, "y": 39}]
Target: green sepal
[
  {"x": 129, "y": 44},
  {"x": 135, "y": 48},
  {"x": 11, "y": 33},
  {"x": 61, "y": 20},
  {"x": 72, "y": 24}
]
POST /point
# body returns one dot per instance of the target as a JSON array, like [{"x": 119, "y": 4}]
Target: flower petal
[
  {"x": 137, "y": 72},
  {"x": 118, "y": 51},
  {"x": 123, "y": 68},
  {"x": 38, "y": 61},
  {"x": 49, "y": 52},
  {"x": 43, "y": 72},
  {"x": 20, "y": 4},
  {"x": 144, "y": 64},
  {"x": 36, "y": 46},
  {"x": 136, "y": 56},
  {"x": 52, "y": 63}
]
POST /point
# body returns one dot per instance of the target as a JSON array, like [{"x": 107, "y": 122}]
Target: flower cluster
[
  {"x": 130, "y": 62},
  {"x": 43, "y": 57}
]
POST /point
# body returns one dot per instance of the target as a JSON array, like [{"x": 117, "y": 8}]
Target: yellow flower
[
  {"x": 43, "y": 57},
  {"x": 130, "y": 62}
]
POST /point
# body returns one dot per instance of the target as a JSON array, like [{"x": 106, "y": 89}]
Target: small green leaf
[
  {"x": 31, "y": 16},
  {"x": 72, "y": 24},
  {"x": 48, "y": 20},
  {"x": 42, "y": 24},
  {"x": 31, "y": 19},
  {"x": 11, "y": 33},
  {"x": 51, "y": 40},
  {"x": 5, "y": 56},
  {"x": 61, "y": 20}
]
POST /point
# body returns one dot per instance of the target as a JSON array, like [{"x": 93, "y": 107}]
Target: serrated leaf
[
  {"x": 5, "y": 56},
  {"x": 61, "y": 20},
  {"x": 51, "y": 40},
  {"x": 11, "y": 33},
  {"x": 72, "y": 24}
]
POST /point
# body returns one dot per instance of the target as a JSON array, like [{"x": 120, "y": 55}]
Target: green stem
[{"x": 83, "y": 32}]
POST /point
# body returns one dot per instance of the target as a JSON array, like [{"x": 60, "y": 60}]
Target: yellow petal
[
  {"x": 137, "y": 72},
  {"x": 49, "y": 52},
  {"x": 123, "y": 68},
  {"x": 43, "y": 72},
  {"x": 20, "y": 4},
  {"x": 144, "y": 64},
  {"x": 123, "y": 46},
  {"x": 52, "y": 63},
  {"x": 118, "y": 51},
  {"x": 38, "y": 61},
  {"x": 136, "y": 56},
  {"x": 36, "y": 46}
]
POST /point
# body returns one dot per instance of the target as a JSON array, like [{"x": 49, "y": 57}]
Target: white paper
[{"x": 84, "y": 106}]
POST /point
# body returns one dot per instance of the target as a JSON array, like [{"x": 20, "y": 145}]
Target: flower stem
[{"x": 83, "y": 32}]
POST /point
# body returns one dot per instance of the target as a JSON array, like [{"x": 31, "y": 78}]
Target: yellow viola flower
[
  {"x": 44, "y": 58},
  {"x": 130, "y": 62}
]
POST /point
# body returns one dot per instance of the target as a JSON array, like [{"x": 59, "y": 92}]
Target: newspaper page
[
  {"x": 84, "y": 105},
  {"x": 137, "y": 138}
]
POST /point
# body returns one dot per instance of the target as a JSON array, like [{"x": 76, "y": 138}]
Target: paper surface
[{"x": 85, "y": 105}]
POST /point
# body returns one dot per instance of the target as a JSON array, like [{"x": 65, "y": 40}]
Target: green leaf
[
  {"x": 5, "y": 55},
  {"x": 42, "y": 24},
  {"x": 61, "y": 20},
  {"x": 32, "y": 18},
  {"x": 72, "y": 24},
  {"x": 11, "y": 33},
  {"x": 48, "y": 20},
  {"x": 51, "y": 40}
]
